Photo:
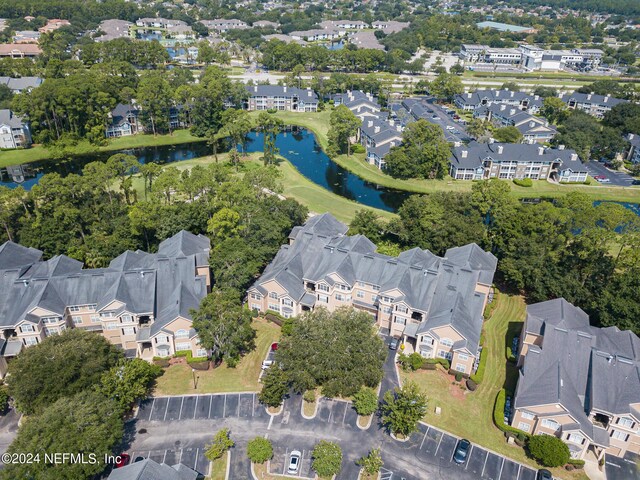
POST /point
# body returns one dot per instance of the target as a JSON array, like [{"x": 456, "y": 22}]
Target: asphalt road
[{"x": 626, "y": 468}]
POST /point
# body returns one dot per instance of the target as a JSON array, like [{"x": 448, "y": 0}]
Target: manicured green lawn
[
  {"x": 470, "y": 415},
  {"x": 219, "y": 468},
  {"x": 38, "y": 152},
  {"x": 178, "y": 379}
]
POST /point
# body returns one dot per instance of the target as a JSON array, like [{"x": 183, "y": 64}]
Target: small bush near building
[
  {"x": 458, "y": 376},
  {"x": 309, "y": 396},
  {"x": 259, "y": 450},
  {"x": 357, "y": 148},
  {"x": 576, "y": 463},
  {"x": 523, "y": 182},
  {"x": 4, "y": 399},
  {"x": 411, "y": 362},
  {"x": 220, "y": 444},
  {"x": 435, "y": 361},
  {"x": 365, "y": 402},
  {"x": 498, "y": 418},
  {"x": 161, "y": 362},
  {"x": 471, "y": 385},
  {"x": 550, "y": 451}
]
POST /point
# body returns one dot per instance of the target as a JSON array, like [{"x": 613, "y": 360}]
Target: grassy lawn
[
  {"x": 219, "y": 468},
  {"x": 38, "y": 152},
  {"x": 477, "y": 407},
  {"x": 178, "y": 379}
]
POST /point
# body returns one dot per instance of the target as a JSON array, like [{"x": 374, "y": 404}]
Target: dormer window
[{"x": 182, "y": 333}]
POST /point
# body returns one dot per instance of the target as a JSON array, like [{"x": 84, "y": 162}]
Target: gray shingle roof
[
  {"x": 7, "y": 117},
  {"x": 593, "y": 99},
  {"x": 13, "y": 255},
  {"x": 21, "y": 83},
  {"x": 150, "y": 470},
  {"x": 443, "y": 288},
  {"x": 579, "y": 366},
  {"x": 307, "y": 95}
]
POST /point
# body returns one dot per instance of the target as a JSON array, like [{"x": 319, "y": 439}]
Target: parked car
[
  {"x": 462, "y": 450},
  {"x": 138, "y": 459},
  {"x": 394, "y": 343},
  {"x": 266, "y": 364},
  {"x": 435, "y": 117},
  {"x": 294, "y": 462},
  {"x": 507, "y": 409},
  {"x": 123, "y": 459},
  {"x": 635, "y": 182},
  {"x": 456, "y": 117},
  {"x": 449, "y": 127},
  {"x": 274, "y": 346},
  {"x": 544, "y": 474}
]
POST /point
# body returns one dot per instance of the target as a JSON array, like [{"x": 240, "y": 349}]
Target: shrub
[
  {"x": 410, "y": 362},
  {"x": 458, "y": 376},
  {"x": 327, "y": 458},
  {"x": 498, "y": 417},
  {"x": 4, "y": 399},
  {"x": 220, "y": 444},
  {"x": 577, "y": 463},
  {"x": 309, "y": 396},
  {"x": 183, "y": 353},
  {"x": 372, "y": 463},
  {"x": 471, "y": 385},
  {"x": 161, "y": 362},
  {"x": 357, "y": 148},
  {"x": 287, "y": 326},
  {"x": 365, "y": 402},
  {"x": 272, "y": 110},
  {"x": 274, "y": 318},
  {"x": 435, "y": 361},
  {"x": 232, "y": 362},
  {"x": 550, "y": 451},
  {"x": 523, "y": 182},
  {"x": 479, "y": 375},
  {"x": 259, "y": 450},
  {"x": 199, "y": 364}
]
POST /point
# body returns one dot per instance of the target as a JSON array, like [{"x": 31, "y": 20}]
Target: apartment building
[
  {"x": 112, "y": 29},
  {"x": 140, "y": 302},
  {"x": 124, "y": 121},
  {"x": 343, "y": 25},
  {"x": 390, "y": 26},
  {"x": 471, "y": 101},
  {"x": 596, "y": 105},
  {"x": 358, "y": 102},
  {"x": 434, "y": 304},
  {"x": 633, "y": 154},
  {"x": 19, "y": 50},
  {"x": 291, "y": 99},
  {"x": 315, "y": 35},
  {"x": 479, "y": 161},
  {"x": 149, "y": 469},
  {"x": 533, "y": 129},
  {"x": 474, "y": 53},
  {"x": 14, "y": 133},
  {"x": 578, "y": 382},
  {"x": 221, "y": 25},
  {"x": 21, "y": 84}
]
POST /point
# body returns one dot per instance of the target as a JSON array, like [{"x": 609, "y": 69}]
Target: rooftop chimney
[
  {"x": 560, "y": 147},
  {"x": 512, "y": 112},
  {"x": 464, "y": 153},
  {"x": 469, "y": 95},
  {"x": 574, "y": 157},
  {"x": 500, "y": 149},
  {"x": 284, "y": 89},
  {"x": 540, "y": 150},
  {"x": 370, "y": 123},
  {"x": 497, "y": 93},
  {"x": 512, "y": 94},
  {"x": 503, "y": 107},
  {"x": 376, "y": 129}
]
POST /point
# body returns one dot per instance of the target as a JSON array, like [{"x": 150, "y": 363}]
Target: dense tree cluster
[{"x": 546, "y": 250}]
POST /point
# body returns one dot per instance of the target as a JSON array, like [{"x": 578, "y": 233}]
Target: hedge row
[
  {"x": 498, "y": 418},
  {"x": 479, "y": 375},
  {"x": 523, "y": 182},
  {"x": 274, "y": 317},
  {"x": 430, "y": 363}
]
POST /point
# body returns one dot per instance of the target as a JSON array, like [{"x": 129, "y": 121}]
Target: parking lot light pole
[{"x": 193, "y": 371}]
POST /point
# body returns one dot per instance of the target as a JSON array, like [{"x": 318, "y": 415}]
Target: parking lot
[
  {"x": 433, "y": 450},
  {"x": 627, "y": 468},
  {"x": 192, "y": 457},
  {"x": 619, "y": 179},
  {"x": 280, "y": 462},
  {"x": 201, "y": 407}
]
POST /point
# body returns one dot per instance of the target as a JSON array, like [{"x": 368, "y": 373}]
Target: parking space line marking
[
  {"x": 181, "y": 403},
  {"x": 270, "y": 422},
  {"x": 224, "y": 409},
  {"x": 180, "y": 461},
  {"x": 424, "y": 438},
  {"x": 253, "y": 404},
  {"x": 196, "y": 407},
  {"x": 519, "y": 467},
  {"x": 165, "y": 410},
  {"x": 164, "y": 458},
  {"x": 238, "y": 412},
  {"x": 501, "y": 467},
  {"x": 438, "y": 447},
  {"x": 345, "y": 414},
  {"x": 485, "y": 464},
  {"x": 468, "y": 456},
  {"x": 152, "y": 404},
  {"x": 195, "y": 464},
  {"x": 286, "y": 455},
  {"x": 210, "y": 402}
]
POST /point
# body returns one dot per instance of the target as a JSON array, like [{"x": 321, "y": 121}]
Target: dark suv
[
  {"x": 544, "y": 474},
  {"x": 462, "y": 450}
]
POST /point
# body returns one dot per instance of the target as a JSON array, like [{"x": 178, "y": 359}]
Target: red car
[
  {"x": 274, "y": 346},
  {"x": 123, "y": 460}
]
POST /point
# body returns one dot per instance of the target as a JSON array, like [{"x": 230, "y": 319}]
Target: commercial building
[
  {"x": 578, "y": 382},
  {"x": 434, "y": 304},
  {"x": 505, "y": 27}
]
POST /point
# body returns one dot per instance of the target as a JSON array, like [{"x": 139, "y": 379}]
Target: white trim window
[
  {"x": 400, "y": 320},
  {"x": 256, "y": 296},
  {"x": 28, "y": 341},
  {"x": 287, "y": 302},
  {"x": 575, "y": 438},
  {"x": 273, "y": 295},
  {"x": 201, "y": 352},
  {"x": 126, "y": 319},
  {"x": 323, "y": 298},
  {"x": 95, "y": 318},
  {"x": 619, "y": 435},
  {"x": 625, "y": 422},
  {"x": 401, "y": 308},
  {"x": 50, "y": 320},
  {"x": 129, "y": 331},
  {"x": 180, "y": 347},
  {"x": 27, "y": 328},
  {"x": 76, "y": 319},
  {"x": 386, "y": 309},
  {"x": 51, "y": 331},
  {"x": 463, "y": 357},
  {"x": 107, "y": 314},
  {"x": 525, "y": 427},
  {"x": 274, "y": 307},
  {"x": 112, "y": 326},
  {"x": 75, "y": 308},
  {"x": 461, "y": 368},
  {"x": 255, "y": 306},
  {"x": 323, "y": 287},
  {"x": 162, "y": 339},
  {"x": 527, "y": 415},
  {"x": 182, "y": 333},
  {"x": 446, "y": 342},
  {"x": 550, "y": 424},
  {"x": 359, "y": 294}
]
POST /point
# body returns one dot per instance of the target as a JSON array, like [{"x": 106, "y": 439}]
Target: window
[
  {"x": 112, "y": 326},
  {"x": 107, "y": 314},
  {"x": 27, "y": 328},
  {"x": 344, "y": 288},
  {"x": 183, "y": 346},
  {"x": 443, "y": 354},
  {"x": 460, "y": 367},
  {"x": 50, "y": 320},
  {"x": 387, "y": 299},
  {"x": 273, "y": 295},
  {"x": 550, "y": 424},
  {"x": 575, "y": 438},
  {"x": 201, "y": 352},
  {"x": 126, "y": 319},
  {"x": 463, "y": 357},
  {"x": 618, "y": 435},
  {"x": 625, "y": 422},
  {"x": 524, "y": 426},
  {"x": 400, "y": 320},
  {"x": 527, "y": 415},
  {"x": 361, "y": 284},
  {"x": 162, "y": 339},
  {"x": 386, "y": 309},
  {"x": 323, "y": 298},
  {"x": 30, "y": 341},
  {"x": 323, "y": 287},
  {"x": 74, "y": 308},
  {"x": 182, "y": 333},
  {"x": 375, "y": 287},
  {"x": 76, "y": 320},
  {"x": 51, "y": 330},
  {"x": 374, "y": 298},
  {"x": 256, "y": 296},
  {"x": 275, "y": 307},
  {"x": 446, "y": 342},
  {"x": 401, "y": 308},
  {"x": 129, "y": 331},
  {"x": 95, "y": 318},
  {"x": 288, "y": 302},
  {"x": 255, "y": 306},
  {"x": 92, "y": 306},
  {"x": 359, "y": 294}
]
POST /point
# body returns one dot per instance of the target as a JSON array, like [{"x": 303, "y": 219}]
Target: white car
[
  {"x": 266, "y": 364},
  {"x": 449, "y": 127},
  {"x": 294, "y": 461}
]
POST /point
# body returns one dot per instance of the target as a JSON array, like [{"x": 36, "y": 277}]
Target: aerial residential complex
[
  {"x": 435, "y": 304},
  {"x": 578, "y": 382},
  {"x": 277, "y": 97},
  {"x": 141, "y": 302}
]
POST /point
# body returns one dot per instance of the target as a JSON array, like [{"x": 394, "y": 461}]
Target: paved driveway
[
  {"x": 619, "y": 179},
  {"x": 8, "y": 428}
]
